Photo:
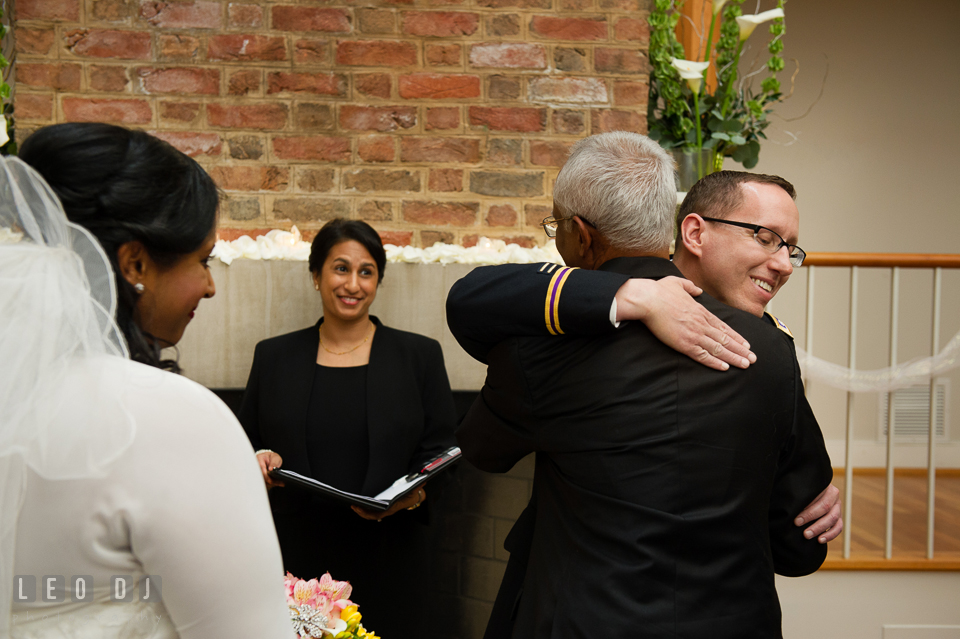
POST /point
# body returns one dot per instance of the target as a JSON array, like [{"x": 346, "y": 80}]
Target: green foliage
[{"x": 732, "y": 120}]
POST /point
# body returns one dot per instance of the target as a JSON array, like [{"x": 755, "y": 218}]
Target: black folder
[{"x": 381, "y": 502}]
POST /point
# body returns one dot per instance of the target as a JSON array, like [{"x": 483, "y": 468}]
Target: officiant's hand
[
  {"x": 409, "y": 502},
  {"x": 269, "y": 460}
]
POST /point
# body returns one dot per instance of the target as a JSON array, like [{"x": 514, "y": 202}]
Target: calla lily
[
  {"x": 690, "y": 71},
  {"x": 748, "y": 23},
  {"x": 4, "y": 138},
  {"x": 718, "y": 6}
]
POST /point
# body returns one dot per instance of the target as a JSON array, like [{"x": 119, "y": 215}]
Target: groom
[{"x": 630, "y": 454}]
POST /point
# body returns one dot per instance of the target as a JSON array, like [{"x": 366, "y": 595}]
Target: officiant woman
[{"x": 354, "y": 404}]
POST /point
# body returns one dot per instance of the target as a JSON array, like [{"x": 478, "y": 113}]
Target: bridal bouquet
[
  {"x": 322, "y": 608},
  {"x": 729, "y": 116}
]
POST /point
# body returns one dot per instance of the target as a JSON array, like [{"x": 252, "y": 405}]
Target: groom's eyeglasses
[{"x": 768, "y": 239}]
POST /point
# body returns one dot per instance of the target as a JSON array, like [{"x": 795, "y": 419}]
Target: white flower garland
[{"x": 289, "y": 245}]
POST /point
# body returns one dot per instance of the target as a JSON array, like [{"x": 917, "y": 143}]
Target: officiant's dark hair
[
  {"x": 340, "y": 230},
  {"x": 124, "y": 185}
]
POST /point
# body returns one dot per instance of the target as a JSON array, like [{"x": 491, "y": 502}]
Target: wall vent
[{"x": 911, "y": 412}]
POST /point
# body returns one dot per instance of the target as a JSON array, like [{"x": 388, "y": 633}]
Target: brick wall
[{"x": 430, "y": 119}]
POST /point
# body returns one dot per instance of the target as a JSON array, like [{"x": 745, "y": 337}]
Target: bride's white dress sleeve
[{"x": 185, "y": 502}]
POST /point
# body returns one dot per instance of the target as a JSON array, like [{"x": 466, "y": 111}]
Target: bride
[{"x": 130, "y": 502}]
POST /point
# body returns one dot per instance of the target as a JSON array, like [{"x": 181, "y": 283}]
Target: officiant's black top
[{"x": 339, "y": 445}]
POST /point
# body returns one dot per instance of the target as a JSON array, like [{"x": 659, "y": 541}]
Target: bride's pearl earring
[
  {"x": 316, "y": 286},
  {"x": 138, "y": 287}
]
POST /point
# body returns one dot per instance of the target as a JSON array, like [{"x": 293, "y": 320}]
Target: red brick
[
  {"x": 35, "y": 41},
  {"x": 60, "y": 77},
  {"x": 179, "y": 47},
  {"x": 620, "y": 61},
  {"x": 622, "y": 5},
  {"x": 504, "y": 184},
  {"x": 533, "y": 214},
  {"x": 259, "y": 116},
  {"x": 229, "y": 235},
  {"x": 192, "y": 80},
  {"x": 380, "y": 180},
  {"x": 375, "y": 211},
  {"x": 502, "y": 215},
  {"x": 446, "y": 180},
  {"x": 435, "y": 86},
  {"x": 505, "y": 151},
  {"x": 519, "y": 4},
  {"x": 376, "y": 53},
  {"x": 113, "y": 10},
  {"x": 508, "y": 55},
  {"x": 310, "y": 116},
  {"x": 315, "y": 180},
  {"x": 580, "y": 29},
  {"x": 568, "y": 122},
  {"x": 375, "y": 85},
  {"x": 603, "y": 120},
  {"x": 246, "y": 47},
  {"x": 508, "y": 119},
  {"x": 626, "y": 93},
  {"x": 442, "y": 55},
  {"x": 397, "y": 238},
  {"x": 576, "y": 90},
  {"x": 309, "y": 51},
  {"x": 181, "y": 15},
  {"x": 441, "y": 213},
  {"x": 240, "y": 16},
  {"x": 390, "y": 118},
  {"x": 31, "y": 106},
  {"x": 632, "y": 29},
  {"x": 429, "y": 238},
  {"x": 443, "y": 118},
  {"x": 576, "y": 5},
  {"x": 316, "y": 83},
  {"x": 504, "y": 87},
  {"x": 192, "y": 144},
  {"x": 439, "y": 149},
  {"x": 312, "y": 147},
  {"x": 102, "y": 43},
  {"x": 298, "y": 18},
  {"x": 503, "y": 24},
  {"x": 112, "y": 111},
  {"x": 184, "y": 112},
  {"x": 48, "y": 10},
  {"x": 243, "y": 82},
  {"x": 549, "y": 153},
  {"x": 440, "y": 24},
  {"x": 251, "y": 178},
  {"x": 108, "y": 78},
  {"x": 376, "y": 21},
  {"x": 376, "y": 148}
]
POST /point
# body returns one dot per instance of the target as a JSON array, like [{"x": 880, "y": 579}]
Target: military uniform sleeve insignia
[
  {"x": 551, "y": 304},
  {"x": 780, "y": 325}
]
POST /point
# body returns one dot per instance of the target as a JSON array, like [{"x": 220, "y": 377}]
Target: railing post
[
  {"x": 848, "y": 453},
  {"x": 931, "y": 444},
  {"x": 808, "y": 340},
  {"x": 894, "y": 322}
]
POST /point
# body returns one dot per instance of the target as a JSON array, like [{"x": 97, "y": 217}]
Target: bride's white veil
[{"x": 57, "y": 305}]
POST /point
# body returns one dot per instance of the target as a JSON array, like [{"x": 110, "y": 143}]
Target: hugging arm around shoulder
[
  {"x": 493, "y": 303},
  {"x": 803, "y": 472}
]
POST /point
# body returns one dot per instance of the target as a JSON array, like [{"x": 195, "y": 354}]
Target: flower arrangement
[
  {"x": 683, "y": 113},
  {"x": 322, "y": 608}
]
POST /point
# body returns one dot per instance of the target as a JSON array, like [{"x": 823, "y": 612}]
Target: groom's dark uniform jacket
[{"x": 665, "y": 490}]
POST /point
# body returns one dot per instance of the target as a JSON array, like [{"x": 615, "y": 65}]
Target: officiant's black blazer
[
  {"x": 410, "y": 411},
  {"x": 665, "y": 490}
]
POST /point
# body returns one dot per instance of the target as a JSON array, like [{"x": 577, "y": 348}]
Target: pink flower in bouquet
[{"x": 336, "y": 589}]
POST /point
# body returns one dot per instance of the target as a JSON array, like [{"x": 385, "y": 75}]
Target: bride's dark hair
[{"x": 125, "y": 185}]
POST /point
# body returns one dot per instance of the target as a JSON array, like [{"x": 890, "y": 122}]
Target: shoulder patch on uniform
[{"x": 780, "y": 325}]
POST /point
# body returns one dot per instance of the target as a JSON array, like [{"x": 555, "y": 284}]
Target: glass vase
[{"x": 693, "y": 164}]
